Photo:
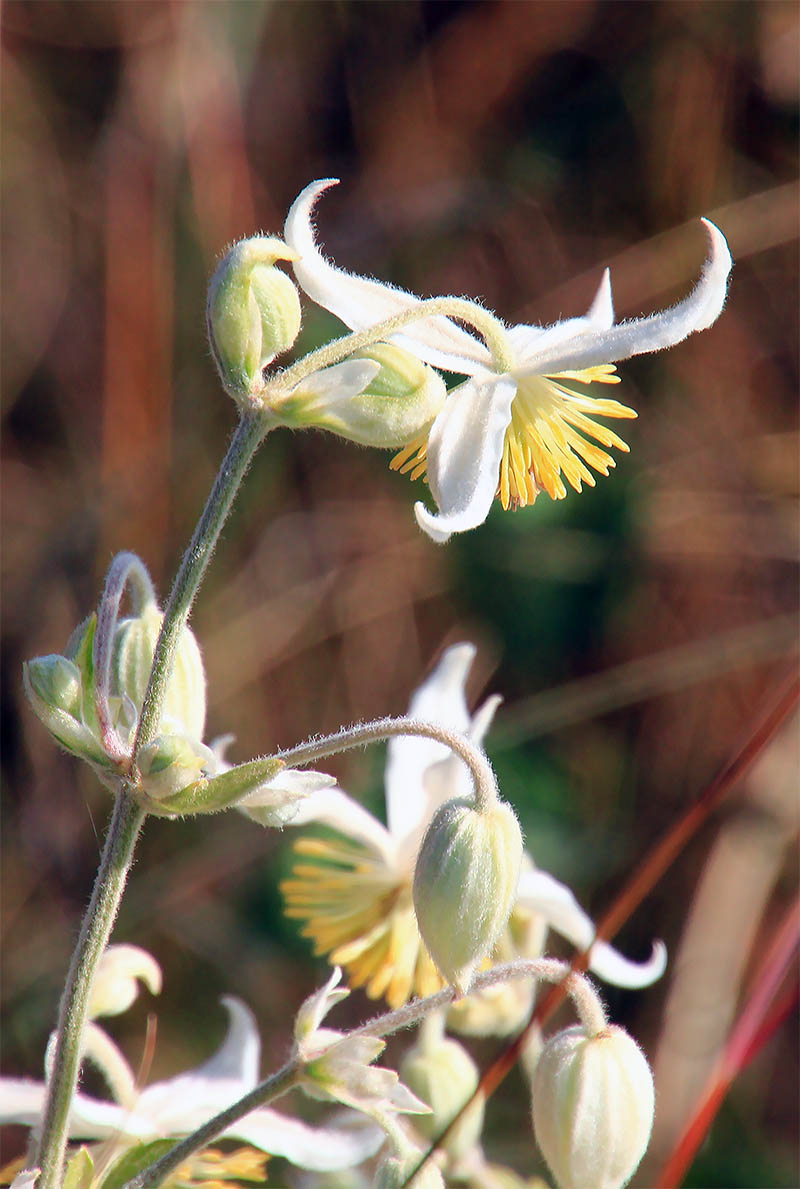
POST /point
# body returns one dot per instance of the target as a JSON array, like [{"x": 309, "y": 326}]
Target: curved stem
[
  {"x": 386, "y": 728},
  {"x": 126, "y": 569},
  {"x": 127, "y": 817},
  {"x": 488, "y": 326},
  {"x": 274, "y": 1087},
  {"x": 246, "y": 440},
  {"x": 109, "y": 885}
]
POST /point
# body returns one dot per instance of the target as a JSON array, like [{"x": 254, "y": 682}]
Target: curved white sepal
[
  {"x": 465, "y": 449},
  {"x": 361, "y": 302},
  {"x": 439, "y": 700},
  {"x": 542, "y": 893},
  {"x": 336, "y": 809},
  {"x": 592, "y": 345}
]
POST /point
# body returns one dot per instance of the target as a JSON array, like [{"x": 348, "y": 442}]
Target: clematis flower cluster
[{"x": 353, "y": 893}]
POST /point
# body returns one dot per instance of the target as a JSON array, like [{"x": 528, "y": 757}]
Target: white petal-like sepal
[
  {"x": 464, "y": 453},
  {"x": 592, "y": 345},
  {"x": 542, "y": 893},
  {"x": 361, "y": 302}
]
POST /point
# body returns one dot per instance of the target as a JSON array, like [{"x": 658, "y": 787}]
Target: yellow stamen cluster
[
  {"x": 211, "y": 1168},
  {"x": 359, "y": 912},
  {"x": 413, "y": 458},
  {"x": 543, "y": 441}
]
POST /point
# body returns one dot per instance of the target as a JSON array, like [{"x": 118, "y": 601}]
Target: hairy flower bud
[
  {"x": 393, "y": 1173},
  {"x": 134, "y": 645},
  {"x": 55, "y": 691},
  {"x": 465, "y": 882},
  {"x": 441, "y": 1072},
  {"x": 593, "y": 1104},
  {"x": 253, "y": 312}
]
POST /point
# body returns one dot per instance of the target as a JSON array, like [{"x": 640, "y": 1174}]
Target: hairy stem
[
  {"x": 386, "y": 728},
  {"x": 127, "y": 817},
  {"x": 488, "y": 326},
  {"x": 109, "y": 885},
  {"x": 274, "y": 1087},
  {"x": 246, "y": 440}
]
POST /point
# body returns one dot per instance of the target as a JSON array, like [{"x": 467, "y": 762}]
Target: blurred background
[{"x": 637, "y": 632}]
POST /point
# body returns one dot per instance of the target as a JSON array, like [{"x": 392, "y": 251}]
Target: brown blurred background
[{"x": 508, "y": 150}]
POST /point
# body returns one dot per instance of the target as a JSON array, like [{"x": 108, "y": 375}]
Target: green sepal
[
  {"x": 216, "y": 793},
  {"x": 55, "y": 690},
  {"x": 134, "y": 1161},
  {"x": 80, "y": 650},
  {"x": 79, "y": 1172}
]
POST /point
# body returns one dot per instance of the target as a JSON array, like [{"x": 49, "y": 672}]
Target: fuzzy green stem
[
  {"x": 109, "y": 885},
  {"x": 274, "y": 1087},
  {"x": 246, "y": 440},
  {"x": 386, "y": 728},
  {"x": 127, "y": 817},
  {"x": 488, "y": 326}
]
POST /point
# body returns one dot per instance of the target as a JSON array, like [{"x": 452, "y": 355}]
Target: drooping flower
[
  {"x": 354, "y": 893},
  {"x": 339, "y": 1068},
  {"x": 181, "y": 1104},
  {"x": 517, "y": 425}
]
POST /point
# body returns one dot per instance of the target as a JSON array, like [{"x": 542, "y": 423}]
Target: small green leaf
[
  {"x": 80, "y": 1171},
  {"x": 134, "y": 1161},
  {"x": 219, "y": 792}
]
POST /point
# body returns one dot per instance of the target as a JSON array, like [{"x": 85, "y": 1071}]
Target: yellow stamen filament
[
  {"x": 546, "y": 438},
  {"x": 359, "y": 912}
]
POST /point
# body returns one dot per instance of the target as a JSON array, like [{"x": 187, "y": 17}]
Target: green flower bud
[
  {"x": 55, "y": 691},
  {"x": 393, "y": 1173},
  {"x": 169, "y": 765},
  {"x": 134, "y": 645},
  {"x": 442, "y": 1073},
  {"x": 464, "y": 884},
  {"x": 380, "y": 396},
  {"x": 593, "y": 1104},
  {"x": 253, "y": 312}
]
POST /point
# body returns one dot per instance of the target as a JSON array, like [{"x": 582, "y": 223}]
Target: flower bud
[
  {"x": 115, "y": 984},
  {"x": 380, "y": 396},
  {"x": 253, "y": 312},
  {"x": 55, "y": 691},
  {"x": 593, "y": 1103},
  {"x": 465, "y": 882},
  {"x": 441, "y": 1072},
  {"x": 393, "y": 1173},
  {"x": 170, "y": 765},
  {"x": 134, "y": 645}
]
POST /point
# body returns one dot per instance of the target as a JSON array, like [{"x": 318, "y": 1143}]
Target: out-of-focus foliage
[{"x": 503, "y": 149}]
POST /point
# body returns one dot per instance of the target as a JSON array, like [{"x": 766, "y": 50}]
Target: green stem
[
  {"x": 486, "y": 793},
  {"x": 109, "y": 885},
  {"x": 488, "y": 326},
  {"x": 274, "y": 1087},
  {"x": 246, "y": 440},
  {"x": 127, "y": 817}
]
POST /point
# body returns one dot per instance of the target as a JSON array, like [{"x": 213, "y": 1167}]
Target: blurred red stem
[{"x": 746, "y": 1039}]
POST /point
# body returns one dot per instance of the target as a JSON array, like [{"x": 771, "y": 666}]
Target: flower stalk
[
  {"x": 112, "y": 874},
  {"x": 127, "y": 816},
  {"x": 388, "y": 728}
]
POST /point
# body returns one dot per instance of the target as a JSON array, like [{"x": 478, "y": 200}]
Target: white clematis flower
[
  {"x": 514, "y": 427},
  {"x": 180, "y": 1105},
  {"x": 353, "y": 894}
]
